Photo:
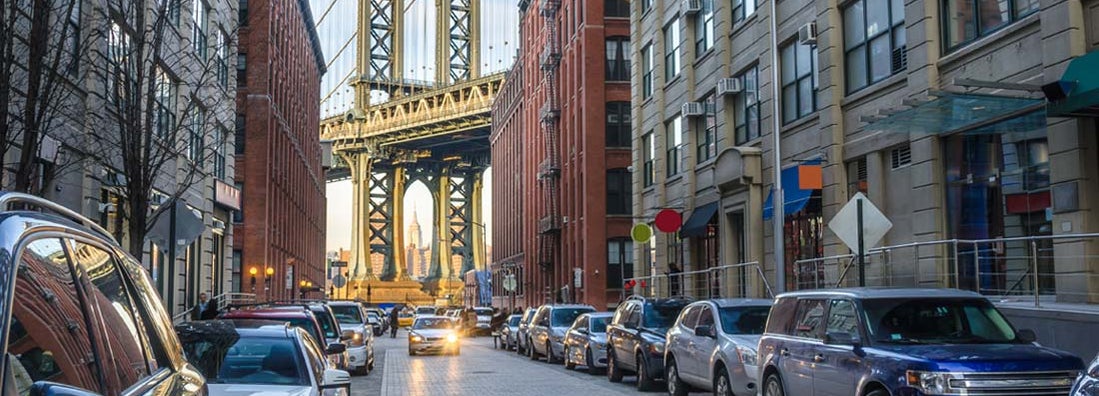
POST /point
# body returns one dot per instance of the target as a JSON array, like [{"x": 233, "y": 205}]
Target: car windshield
[
  {"x": 599, "y": 325},
  {"x": 247, "y": 360},
  {"x": 661, "y": 316},
  {"x": 743, "y": 320},
  {"x": 349, "y": 314},
  {"x": 425, "y": 311},
  {"x": 936, "y": 321},
  {"x": 514, "y": 320},
  {"x": 432, "y": 323},
  {"x": 373, "y": 316},
  {"x": 483, "y": 311},
  {"x": 327, "y": 324},
  {"x": 403, "y": 314},
  {"x": 308, "y": 326},
  {"x": 565, "y": 316}
]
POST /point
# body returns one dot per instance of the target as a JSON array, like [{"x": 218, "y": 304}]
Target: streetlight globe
[
  {"x": 253, "y": 271},
  {"x": 309, "y": 284},
  {"x": 302, "y": 283},
  {"x": 270, "y": 271}
]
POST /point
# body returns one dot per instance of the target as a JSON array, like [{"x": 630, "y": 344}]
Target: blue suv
[{"x": 903, "y": 342}]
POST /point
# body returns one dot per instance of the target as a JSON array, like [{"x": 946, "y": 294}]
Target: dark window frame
[
  {"x": 1014, "y": 14},
  {"x": 622, "y": 269},
  {"x": 706, "y": 134},
  {"x": 616, "y": 8},
  {"x": 619, "y": 192},
  {"x": 704, "y": 28},
  {"x": 896, "y": 33},
  {"x": 744, "y": 104},
  {"x": 617, "y": 64},
  {"x": 673, "y": 138},
  {"x": 648, "y": 157},
  {"x": 809, "y": 76},
  {"x": 647, "y": 65},
  {"x": 618, "y": 130},
  {"x": 673, "y": 48}
]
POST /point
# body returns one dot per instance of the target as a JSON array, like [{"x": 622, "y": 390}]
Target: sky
[{"x": 336, "y": 25}]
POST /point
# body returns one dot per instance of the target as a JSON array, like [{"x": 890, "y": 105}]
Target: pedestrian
[
  {"x": 204, "y": 310},
  {"x": 674, "y": 278},
  {"x": 394, "y": 319}
]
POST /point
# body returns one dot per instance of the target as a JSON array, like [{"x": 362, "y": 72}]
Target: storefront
[{"x": 804, "y": 225}]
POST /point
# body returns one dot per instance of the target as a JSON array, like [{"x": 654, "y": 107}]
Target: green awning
[
  {"x": 1076, "y": 94},
  {"x": 947, "y": 112}
]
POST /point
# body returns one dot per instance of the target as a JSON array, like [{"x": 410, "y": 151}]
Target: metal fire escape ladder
[{"x": 550, "y": 169}]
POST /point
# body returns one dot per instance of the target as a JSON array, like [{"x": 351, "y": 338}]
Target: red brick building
[
  {"x": 562, "y": 200},
  {"x": 278, "y": 161}
]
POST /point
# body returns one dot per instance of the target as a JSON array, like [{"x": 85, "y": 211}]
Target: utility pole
[{"x": 777, "y": 202}]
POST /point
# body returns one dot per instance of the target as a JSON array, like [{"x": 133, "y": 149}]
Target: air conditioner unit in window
[
  {"x": 899, "y": 58},
  {"x": 729, "y": 86},
  {"x": 693, "y": 109},
  {"x": 807, "y": 34},
  {"x": 691, "y": 7}
]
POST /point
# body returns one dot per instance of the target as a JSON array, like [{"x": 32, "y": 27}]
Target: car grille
[
  {"x": 1010, "y": 384},
  {"x": 433, "y": 339}
]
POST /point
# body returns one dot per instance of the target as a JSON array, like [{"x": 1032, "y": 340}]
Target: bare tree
[
  {"x": 39, "y": 72},
  {"x": 165, "y": 95}
]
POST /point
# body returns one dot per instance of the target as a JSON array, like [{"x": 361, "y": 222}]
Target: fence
[
  {"x": 1060, "y": 268},
  {"x": 728, "y": 281},
  {"x": 223, "y": 301}
]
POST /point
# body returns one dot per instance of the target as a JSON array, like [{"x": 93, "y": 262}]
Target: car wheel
[
  {"x": 645, "y": 380},
  {"x": 588, "y": 360},
  {"x": 531, "y": 352},
  {"x": 676, "y": 386},
  {"x": 879, "y": 392},
  {"x": 773, "y": 386},
  {"x": 411, "y": 352},
  {"x": 569, "y": 365},
  {"x": 722, "y": 386},
  {"x": 370, "y": 366},
  {"x": 613, "y": 373},
  {"x": 549, "y": 354}
]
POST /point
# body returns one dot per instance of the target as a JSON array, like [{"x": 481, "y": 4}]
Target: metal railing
[
  {"x": 1048, "y": 268},
  {"x": 743, "y": 280},
  {"x": 223, "y": 301}
]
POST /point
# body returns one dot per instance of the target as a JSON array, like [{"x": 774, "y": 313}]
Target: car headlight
[
  {"x": 927, "y": 382},
  {"x": 356, "y": 338},
  {"x": 1093, "y": 369},
  {"x": 415, "y": 338},
  {"x": 748, "y": 356},
  {"x": 451, "y": 338},
  {"x": 656, "y": 348}
]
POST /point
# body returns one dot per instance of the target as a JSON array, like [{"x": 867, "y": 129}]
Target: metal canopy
[
  {"x": 1078, "y": 89},
  {"x": 946, "y": 112}
]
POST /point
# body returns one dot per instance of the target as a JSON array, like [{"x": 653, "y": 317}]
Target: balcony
[
  {"x": 551, "y": 57},
  {"x": 550, "y": 7},
  {"x": 549, "y": 224},
  {"x": 550, "y": 112}
]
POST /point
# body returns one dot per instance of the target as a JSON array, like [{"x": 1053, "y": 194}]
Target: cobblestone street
[{"x": 480, "y": 370}]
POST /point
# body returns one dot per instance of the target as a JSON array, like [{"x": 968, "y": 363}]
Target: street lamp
[
  {"x": 301, "y": 289},
  {"x": 269, "y": 273},
  {"x": 253, "y": 271}
]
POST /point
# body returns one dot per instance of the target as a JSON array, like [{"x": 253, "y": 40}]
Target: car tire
[
  {"x": 588, "y": 360},
  {"x": 411, "y": 352},
  {"x": 614, "y": 374},
  {"x": 878, "y": 392},
  {"x": 531, "y": 352},
  {"x": 645, "y": 380},
  {"x": 773, "y": 386},
  {"x": 569, "y": 365},
  {"x": 676, "y": 386},
  {"x": 722, "y": 385},
  {"x": 549, "y": 354}
]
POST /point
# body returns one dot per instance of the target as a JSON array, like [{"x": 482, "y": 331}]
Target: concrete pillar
[
  {"x": 396, "y": 265},
  {"x": 478, "y": 242},
  {"x": 443, "y": 245},
  {"x": 359, "y": 164}
]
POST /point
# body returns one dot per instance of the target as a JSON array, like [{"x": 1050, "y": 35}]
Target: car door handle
[
  {"x": 784, "y": 352},
  {"x": 818, "y": 358}
]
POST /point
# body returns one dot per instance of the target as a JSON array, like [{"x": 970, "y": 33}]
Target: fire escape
[{"x": 549, "y": 172}]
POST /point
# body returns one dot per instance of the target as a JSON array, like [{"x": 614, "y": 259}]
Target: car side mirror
[
  {"x": 45, "y": 388},
  {"x": 337, "y": 379},
  {"x": 347, "y": 335},
  {"x": 1026, "y": 335},
  {"x": 705, "y": 331},
  {"x": 582, "y": 330},
  {"x": 335, "y": 349},
  {"x": 837, "y": 338}
]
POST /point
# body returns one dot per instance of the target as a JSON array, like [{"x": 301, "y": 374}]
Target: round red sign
[{"x": 668, "y": 220}]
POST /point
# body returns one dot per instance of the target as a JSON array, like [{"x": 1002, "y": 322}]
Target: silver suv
[
  {"x": 712, "y": 347},
  {"x": 547, "y": 330},
  {"x": 70, "y": 295}
]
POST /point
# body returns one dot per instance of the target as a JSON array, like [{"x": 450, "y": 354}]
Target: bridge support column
[
  {"x": 395, "y": 267},
  {"x": 443, "y": 250},
  {"x": 359, "y": 165},
  {"x": 478, "y": 222}
]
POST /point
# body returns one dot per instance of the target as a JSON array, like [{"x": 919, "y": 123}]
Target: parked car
[
  {"x": 302, "y": 318},
  {"x": 484, "y": 320},
  {"x": 509, "y": 330},
  {"x": 250, "y": 357},
  {"x": 586, "y": 341},
  {"x": 359, "y": 334},
  {"x": 377, "y": 323},
  {"x": 879, "y": 342},
  {"x": 383, "y": 315},
  {"x": 547, "y": 329},
  {"x": 1087, "y": 384},
  {"x": 522, "y": 336},
  {"x": 330, "y": 329},
  {"x": 425, "y": 310},
  {"x": 78, "y": 315},
  {"x": 635, "y": 338},
  {"x": 433, "y": 334},
  {"x": 712, "y": 347}
]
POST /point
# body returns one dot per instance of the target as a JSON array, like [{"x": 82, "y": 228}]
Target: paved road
[{"x": 479, "y": 370}]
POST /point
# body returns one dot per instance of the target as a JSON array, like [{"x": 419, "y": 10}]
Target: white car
[
  {"x": 484, "y": 319},
  {"x": 359, "y": 334},
  {"x": 433, "y": 334},
  {"x": 258, "y": 357}
]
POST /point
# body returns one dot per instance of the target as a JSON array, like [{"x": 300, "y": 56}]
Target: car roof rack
[{"x": 8, "y": 198}]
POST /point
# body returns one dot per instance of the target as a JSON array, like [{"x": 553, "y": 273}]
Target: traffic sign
[
  {"x": 846, "y": 223},
  {"x": 339, "y": 281},
  {"x": 337, "y": 264},
  {"x": 510, "y": 283},
  {"x": 641, "y": 233},
  {"x": 668, "y": 220}
]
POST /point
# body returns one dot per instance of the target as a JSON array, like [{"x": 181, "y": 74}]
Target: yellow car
[{"x": 404, "y": 319}]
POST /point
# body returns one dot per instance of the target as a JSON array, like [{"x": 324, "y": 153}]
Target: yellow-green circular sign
[{"x": 641, "y": 233}]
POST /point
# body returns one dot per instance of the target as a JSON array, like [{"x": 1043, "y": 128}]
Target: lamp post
[
  {"x": 268, "y": 274},
  {"x": 301, "y": 290},
  {"x": 253, "y": 271}
]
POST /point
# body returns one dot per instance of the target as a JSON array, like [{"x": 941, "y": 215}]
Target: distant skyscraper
[{"x": 416, "y": 254}]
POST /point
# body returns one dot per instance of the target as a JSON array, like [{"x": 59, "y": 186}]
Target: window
[
  {"x": 238, "y": 136},
  {"x": 648, "y": 154},
  {"x": 242, "y": 13},
  {"x": 72, "y": 39},
  {"x": 619, "y": 262},
  {"x": 799, "y": 81},
  {"x": 242, "y": 70},
  {"x": 619, "y": 193},
  {"x": 674, "y": 139},
  {"x": 647, "y": 71},
  {"x": 616, "y": 8},
  {"x": 133, "y": 358},
  {"x": 238, "y": 215},
  {"x": 858, "y": 176},
  {"x": 646, "y": 5},
  {"x": 118, "y": 49},
  {"x": 706, "y": 316},
  {"x": 874, "y": 38},
  {"x": 220, "y": 152},
  {"x": 200, "y": 19},
  {"x": 618, "y": 59},
  {"x": 809, "y": 318},
  {"x": 48, "y": 333},
  {"x": 672, "y": 56},
  {"x": 900, "y": 157},
  {"x": 174, "y": 11},
  {"x": 223, "y": 60},
  {"x": 746, "y": 107},
  {"x": 842, "y": 318},
  {"x": 618, "y": 124},
  {"x": 195, "y": 145},
  {"x": 742, "y": 9},
  {"x": 967, "y": 20},
  {"x": 689, "y": 317},
  {"x": 165, "y": 102},
  {"x": 707, "y": 133},
  {"x": 704, "y": 28},
  {"x": 779, "y": 322}
]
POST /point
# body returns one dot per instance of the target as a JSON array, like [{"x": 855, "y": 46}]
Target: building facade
[
  {"x": 570, "y": 243},
  {"x": 933, "y": 109},
  {"x": 281, "y": 231}
]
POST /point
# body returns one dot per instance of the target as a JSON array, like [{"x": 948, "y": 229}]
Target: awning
[
  {"x": 700, "y": 217},
  {"x": 946, "y": 112},
  {"x": 798, "y": 184},
  {"x": 1076, "y": 94}
]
